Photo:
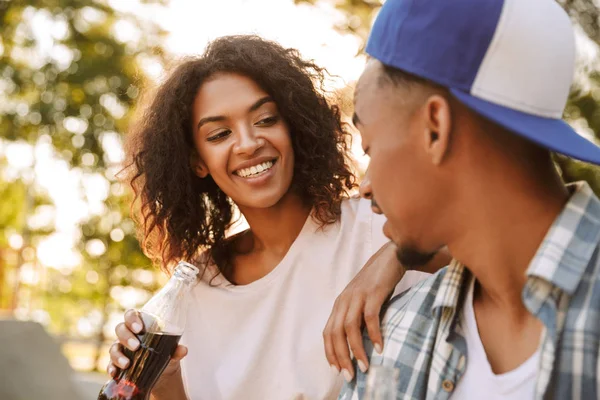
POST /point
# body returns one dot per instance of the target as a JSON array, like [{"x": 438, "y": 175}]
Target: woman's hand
[
  {"x": 361, "y": 301},
  {"x": 126, "y": 337}
]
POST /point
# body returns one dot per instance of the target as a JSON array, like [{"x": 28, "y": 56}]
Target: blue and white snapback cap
[{"x": 511, "y": 61}]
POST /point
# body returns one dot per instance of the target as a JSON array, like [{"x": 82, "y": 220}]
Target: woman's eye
[
  {"x": 219, "y": 135},
  {"x": 268, "y": 121}
]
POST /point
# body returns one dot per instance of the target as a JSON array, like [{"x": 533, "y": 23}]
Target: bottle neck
[
  {"x": 186, "y": 271},
  {"x": 178, "y": 284},
  {"x": 167, "y": 309}
]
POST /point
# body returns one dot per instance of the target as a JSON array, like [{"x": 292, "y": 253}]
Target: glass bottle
[{"x": 163, "y": 317}]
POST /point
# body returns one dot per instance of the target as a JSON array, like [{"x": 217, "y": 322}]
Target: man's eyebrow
[
  {"x": 253, "y": 107},
  {"x": 355, "y": 119}
]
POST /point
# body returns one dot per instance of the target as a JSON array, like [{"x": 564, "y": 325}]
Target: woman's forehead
[{"x": 227, "y": 93}]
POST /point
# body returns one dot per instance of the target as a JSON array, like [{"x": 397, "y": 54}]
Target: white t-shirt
[
  {"x": 479, "y": 381},
  {"x": 264, "y": 340}
]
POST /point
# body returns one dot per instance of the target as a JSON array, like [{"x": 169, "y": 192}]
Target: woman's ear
[{"x": 198, "y": 165}]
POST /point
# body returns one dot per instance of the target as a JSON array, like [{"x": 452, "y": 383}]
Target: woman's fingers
[{"x": 117, "y": 357}]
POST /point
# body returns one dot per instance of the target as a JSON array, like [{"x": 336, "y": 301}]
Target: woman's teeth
[{"x": 255, "y": 170}]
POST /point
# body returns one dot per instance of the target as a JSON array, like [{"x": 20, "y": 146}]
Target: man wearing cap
[{"x": 459, "y": 108}]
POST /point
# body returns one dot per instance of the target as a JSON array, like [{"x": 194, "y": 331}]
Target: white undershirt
[
  {"x": 479, "y": 381},
  {"x": 263, "y": 341}
]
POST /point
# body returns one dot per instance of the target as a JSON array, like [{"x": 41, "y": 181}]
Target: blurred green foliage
[{"x": 70, "y": 75}]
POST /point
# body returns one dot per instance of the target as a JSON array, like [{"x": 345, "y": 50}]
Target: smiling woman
[
  {"x": 247, "y": 124},
  {"x": 196, "y": 98},
  {"x": 243, "y": 142}
]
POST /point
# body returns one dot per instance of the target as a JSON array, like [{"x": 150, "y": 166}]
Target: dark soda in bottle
[{"x": 164, "y": 321}]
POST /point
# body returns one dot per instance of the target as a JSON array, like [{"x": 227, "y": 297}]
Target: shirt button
[{"x": 447, "y": 385}]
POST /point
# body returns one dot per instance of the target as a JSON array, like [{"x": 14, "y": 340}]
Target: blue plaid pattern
[{"x": 563, "y": 290}]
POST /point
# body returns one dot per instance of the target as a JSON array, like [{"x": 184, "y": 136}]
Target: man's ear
[
  {"x": 198, "y": 165},
  {"x": 438, "y": 127}
]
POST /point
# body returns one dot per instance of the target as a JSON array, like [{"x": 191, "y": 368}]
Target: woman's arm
[
  {"x": 170, "y": 389},
  {"x": 360, "y": 304}
]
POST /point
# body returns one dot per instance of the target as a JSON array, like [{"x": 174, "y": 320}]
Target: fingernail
[
  {"x": 136, "y": 327},
  {"x": 347, "y": 375},
  {"x": 132, "y": 343},
  {"x": 123, "y": 362},
  {"x": 335, "y": 369},
  {"x": 111, "y": 370},
  {"x": 362, "y": 366},
  {"x": 378, "y": 348}
]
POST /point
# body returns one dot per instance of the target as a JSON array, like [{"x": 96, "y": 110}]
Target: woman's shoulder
[
  {"x": 356, "y": 207},
  {"x": 358, "y": 216},
  {"x": 209, "y": 271},
  {"x": 357, "y": 211}
]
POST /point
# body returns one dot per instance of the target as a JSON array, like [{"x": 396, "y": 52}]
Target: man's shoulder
[
  {"x": 408, "y": 329},
  {"x": 421, "y": 295},
  {"x": 411, "y": 312}
]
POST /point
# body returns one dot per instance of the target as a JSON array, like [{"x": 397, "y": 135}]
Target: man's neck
[{"x": 501, "y": 235}]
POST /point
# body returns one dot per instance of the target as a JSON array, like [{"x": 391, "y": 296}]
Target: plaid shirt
[{"x": 420, "y": 332}]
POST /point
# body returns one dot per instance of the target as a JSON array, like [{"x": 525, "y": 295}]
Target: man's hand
[{"x": 361, "y": 301}]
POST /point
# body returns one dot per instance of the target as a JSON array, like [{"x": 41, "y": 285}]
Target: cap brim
[{"x": 554, "y": 134}]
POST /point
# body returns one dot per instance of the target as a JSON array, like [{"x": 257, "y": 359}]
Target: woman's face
[{"x": 242, "y": 141}]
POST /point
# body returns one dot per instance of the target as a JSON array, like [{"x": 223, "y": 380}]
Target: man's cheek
[{"x": 379, "y": 175}]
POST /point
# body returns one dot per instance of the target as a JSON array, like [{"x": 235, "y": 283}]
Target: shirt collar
[
  {"x": 569, "y": 245},
  {"x": 561, "y": 259},
  {"x": 451, "y": 287}
]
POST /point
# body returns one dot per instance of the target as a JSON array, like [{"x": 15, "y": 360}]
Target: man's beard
[{"x": 413, "y": 259}]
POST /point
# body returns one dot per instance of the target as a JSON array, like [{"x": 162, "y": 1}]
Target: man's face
[{"x": 401, "y": 177}]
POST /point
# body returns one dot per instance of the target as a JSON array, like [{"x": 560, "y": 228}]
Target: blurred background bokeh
[{"x": 71, "y": 75}]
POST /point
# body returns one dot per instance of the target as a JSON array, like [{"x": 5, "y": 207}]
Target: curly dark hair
[{"x": 180, "y": 214}]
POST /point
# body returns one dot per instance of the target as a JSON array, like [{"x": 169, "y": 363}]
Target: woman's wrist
[{"x": 169, "y": 387}]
